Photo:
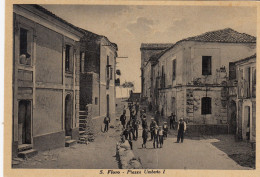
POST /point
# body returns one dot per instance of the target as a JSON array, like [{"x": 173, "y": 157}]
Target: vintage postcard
[{"x": 151, "y": 88}]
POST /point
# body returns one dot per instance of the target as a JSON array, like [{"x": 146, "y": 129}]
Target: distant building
[
  {"x": 97, "y": 74},
  {"x": 244, "y": 75},
  {"x": 134, "y": 97},
  {"x": 190, "y": 78},
  {"x": 45, "y": 79},
  {"x": 147, "y": 50}
]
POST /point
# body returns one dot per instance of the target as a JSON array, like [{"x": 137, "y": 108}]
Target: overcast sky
[{"x": 129, "y": 26}]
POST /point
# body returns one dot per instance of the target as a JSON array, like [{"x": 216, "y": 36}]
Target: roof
[
  {"x": 226, "y": 35},
  {"x": 135, "y": 95},
  {"x": 244, "y": 60},
  {"x": 93, "y": 36},
  {"x": 42, "y": 9},
  {"x": 155, "y": 46},
  {"x": 89, "y": 34}
]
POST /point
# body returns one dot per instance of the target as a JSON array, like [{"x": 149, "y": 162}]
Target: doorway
[
  {"x": 233, "y": 117},
  {"x": 246, "y": 124},
  {"x": 68, "y": 115},
  {"x": 24, "y": 122}
]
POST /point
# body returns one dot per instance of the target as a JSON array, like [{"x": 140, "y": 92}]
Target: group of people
[{"x": 158, "y": 132}]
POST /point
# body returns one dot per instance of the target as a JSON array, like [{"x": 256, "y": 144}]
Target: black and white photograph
[{"x": 132, "y": 86}]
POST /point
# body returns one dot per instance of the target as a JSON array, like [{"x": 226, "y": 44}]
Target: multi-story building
[
  {"x": 190, "y": 77},
  {"x": 45, "y": 79},
  {"x": 147, "y": 50},
  {"x": 244, "y": 76},
  {"x": 97, "y": 82}
]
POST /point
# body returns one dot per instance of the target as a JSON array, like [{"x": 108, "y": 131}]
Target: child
[
  {"x": 165, "y": 130},
  {"x": 160, "y": 133}
]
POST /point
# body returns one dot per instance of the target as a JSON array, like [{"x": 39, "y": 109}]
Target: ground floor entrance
[{"x": 24, "y": 122}]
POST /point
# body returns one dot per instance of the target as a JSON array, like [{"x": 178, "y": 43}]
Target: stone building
[
  {"x": 244, "y": 102},
  {"x": 45, "y": 80},
  {"x": 97, "y": 75},
  {"x": 147, "y": 50},
  {"x": 190, "y": 77}
]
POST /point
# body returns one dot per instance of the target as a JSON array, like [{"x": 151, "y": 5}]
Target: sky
[{"x": 129, "y": 26}]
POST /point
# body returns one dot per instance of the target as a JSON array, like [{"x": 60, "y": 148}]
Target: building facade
[
  {"x": 190, "y": 78},
  {"x": 245, "y": 100},
  {"x": 45, "y": 79},
  {"x": 98, "y": 67},
  {"x": 147, "y": 50}
]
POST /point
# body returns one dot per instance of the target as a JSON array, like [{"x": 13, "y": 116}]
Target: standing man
[
  {"x": 136, "y": 108},
  {"x": 181, "y": 130},
  {"x": 152, "y": 128},
  {"x": 136, "y": 126},
  {"x": 123, "y": 119},
  {"x": 144, "y": 136},
  {"x": 172, "y": 121},
  {"x": 106, "y": 122},
  {"x": 144, "y": 123}
]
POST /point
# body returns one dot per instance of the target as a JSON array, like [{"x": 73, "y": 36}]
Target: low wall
[
  {"x": 126, "y": 157},
  {"x": 206, "y": 129}
]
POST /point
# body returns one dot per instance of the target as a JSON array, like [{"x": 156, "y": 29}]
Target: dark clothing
[
  {"x": 181, "y": 130},
  {"x": 144, "y": 136},
  {"x": 106, "y": 122},
  {"x": 144, "y": 124},
  {"x": 165, "y": 130},
  {"x": 152, "y": 128},
  {"x": 155, "y": 140},
  {"x": 181, "y": 126},
  {"x": 136, "y": 126},
  {"x": 123, "y": 120},
  {"x": 161, "y": 140},
  {"x": 180, "y": 136},
  {"x": 172, "y": 121}
]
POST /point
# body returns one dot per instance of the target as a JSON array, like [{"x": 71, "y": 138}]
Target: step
[
  {"x": 70, "y": 143},
  {"x": 81, "y": 132},
  {"x": 82, "y": 129},
  {"x": 82, "y": 120},
  {"x": 67, "y": 138},
  {"x": 27, "y": 154},
  {"x": 24, "y": 147}
]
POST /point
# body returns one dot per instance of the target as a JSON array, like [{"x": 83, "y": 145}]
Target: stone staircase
[
  {"x": 69, "y": 142},
  {"x": 85, "y": 127},
  {"x": 26, "y": 151}
]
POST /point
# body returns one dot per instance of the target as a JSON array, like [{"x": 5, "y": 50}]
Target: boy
[
  {"x": 160, "y": 134},
  {"x": 165, "y": 130}
]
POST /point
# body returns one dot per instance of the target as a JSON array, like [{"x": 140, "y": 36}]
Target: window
[
  {"x": 232, "y": 71},
  {"x": 96, "y": 100},
  {"x": 206, "y": 65},
  {"x": 174, "y": 69},
  {"x": 254, "y": 82},
  {"x": 108, "y": 67},
  {"x": 205, "y": 105},
  {"x": 111, "y": 73},
  {"x": 82, "y": 60},
  {"x": 25, "y": 57},
  {"x": 68, "y": 58}
]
